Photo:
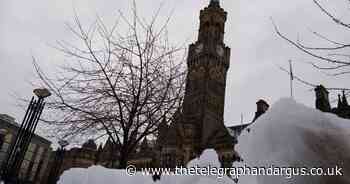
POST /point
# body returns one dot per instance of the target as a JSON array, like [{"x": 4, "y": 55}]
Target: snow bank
[
  {"x": 99, "y": 175},
  {"x": 288, "y": 135},
  {"x": 293, "y": 135}
]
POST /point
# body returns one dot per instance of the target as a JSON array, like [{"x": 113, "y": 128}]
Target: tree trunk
[{"x": 123, "y": 161}]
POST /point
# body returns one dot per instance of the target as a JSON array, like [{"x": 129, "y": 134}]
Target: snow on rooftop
[{"x": 293, "y": 135}]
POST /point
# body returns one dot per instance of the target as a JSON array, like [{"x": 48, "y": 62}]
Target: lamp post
[
  {"x": 12, "y": 165},
  {"x": 57, "y": 164}
]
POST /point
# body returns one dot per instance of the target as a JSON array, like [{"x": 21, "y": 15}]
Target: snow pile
[
  {"x": 98, "y": 174},
  {"x": 293, "y": 135},
  {"x": 288, "y": 135}
]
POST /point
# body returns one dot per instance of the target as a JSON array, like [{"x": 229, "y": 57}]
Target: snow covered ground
[
  {"x": 288, "y": 135},
  {"x": 100, "y": 175}
]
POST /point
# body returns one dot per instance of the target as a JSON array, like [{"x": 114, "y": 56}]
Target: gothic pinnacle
[
  {"x": 340, "y": 104},
  {"x": 214, "y": 3},
  {"x": 345, "y": 101}
]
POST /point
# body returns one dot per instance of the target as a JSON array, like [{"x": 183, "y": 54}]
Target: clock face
[
  {"x": 219, "y": 50},
  {"x": 199, "y": 48}
]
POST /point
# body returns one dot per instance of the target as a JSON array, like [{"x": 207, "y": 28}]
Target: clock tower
[{"x": 208, "y": 61}]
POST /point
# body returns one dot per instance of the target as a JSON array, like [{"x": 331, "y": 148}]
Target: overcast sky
[{"x": 29, "y": 27}]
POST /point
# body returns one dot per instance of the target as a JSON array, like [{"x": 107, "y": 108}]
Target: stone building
[
  {"x": 76, "y": 157},
  {"x": 35, "y": 163},
  {"x": 83, "y": 157},
  {"x": 146, "y": 155},
  {"x": 198, "y": 124},
  {"x": 107, "y": 155},
  {"x": 322, "y": 103}
]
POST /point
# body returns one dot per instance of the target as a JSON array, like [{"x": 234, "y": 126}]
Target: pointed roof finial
[
  {"x": 345, "y": 101},
  {"x": 340, "y": 104},
  {"x": 214, "y": 3}
]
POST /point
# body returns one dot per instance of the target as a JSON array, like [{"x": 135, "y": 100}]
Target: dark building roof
[
  {"x": 90, "y": 144},
  {"x": 236, "y": 130},
  {"x": 10, "y": 122},
  {"x": 110, "y": 146},
  {"x": 239, "y": 127}
]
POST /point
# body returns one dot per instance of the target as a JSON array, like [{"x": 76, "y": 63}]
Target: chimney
[
  {"x": 322, "y": 99},
  {"x": 261, "y": 107}
]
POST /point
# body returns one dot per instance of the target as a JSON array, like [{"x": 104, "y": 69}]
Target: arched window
[
  {"x": 3, "y": 133},
  {"x": 2, "y": 140}
]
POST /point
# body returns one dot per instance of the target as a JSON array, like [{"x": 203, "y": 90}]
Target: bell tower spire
[
  {"x": 212, "y": 23},
  {"x": 214, "y": 3},
  {"x": 208, "y": 62}
]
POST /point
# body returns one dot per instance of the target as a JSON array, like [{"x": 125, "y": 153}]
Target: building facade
[{"x": 35, "y": 163}]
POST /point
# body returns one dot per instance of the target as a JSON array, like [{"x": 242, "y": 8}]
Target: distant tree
[
  {"x": 335, "y": 58},
  {"x": 119, "y": 85}
]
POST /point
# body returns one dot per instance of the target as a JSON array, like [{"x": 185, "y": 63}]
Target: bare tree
[
  {"x": 117, "y": 85},
  {"x": 334, "y": 59}
]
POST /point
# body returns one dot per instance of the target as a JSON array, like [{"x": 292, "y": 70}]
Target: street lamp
[
  {"x": 12, "y": 165},
  {"x": 42, "y": 93}
]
